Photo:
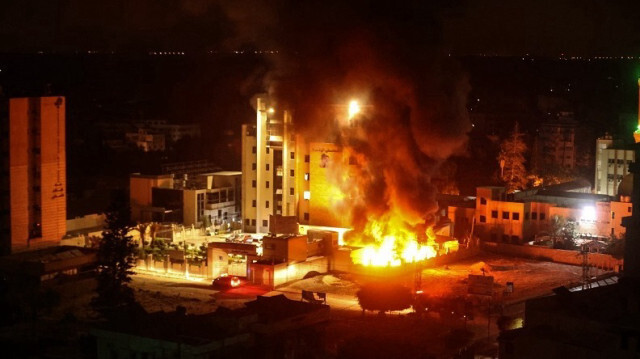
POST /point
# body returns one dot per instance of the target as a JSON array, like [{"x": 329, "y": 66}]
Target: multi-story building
[
  {"x": 36, "y": 172},
  {"x": 146, "y": 141},
  {"x": 268, "y": 167},
  {"x": 555, "y": 145},
  {"x": 284, "y": 174},
  {"x": 612, "y": 164},
  {"x": 520, "y": 217},
  {"x": 210, "y": 199}
]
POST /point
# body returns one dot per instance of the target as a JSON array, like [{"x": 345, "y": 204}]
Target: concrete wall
[
  {"x": 37, "y": 167},
  {"x": 275, "y": 275},
  {"x": 599, "y": 260}
]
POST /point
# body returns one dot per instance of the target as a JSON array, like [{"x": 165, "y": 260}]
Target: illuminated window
[
  {"x": 306, "y": 176},
  {"x": 306, "y": 195}
]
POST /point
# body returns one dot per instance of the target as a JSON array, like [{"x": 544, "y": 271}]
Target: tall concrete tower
[
  {"x": 37, "y": 172},
  {"x": 268, "y": 166}
]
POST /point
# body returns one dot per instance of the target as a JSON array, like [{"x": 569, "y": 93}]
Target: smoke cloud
[{"x": 389, "y": 58}]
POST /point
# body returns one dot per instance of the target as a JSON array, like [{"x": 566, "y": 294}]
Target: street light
[{"x": 354, "y": 108}]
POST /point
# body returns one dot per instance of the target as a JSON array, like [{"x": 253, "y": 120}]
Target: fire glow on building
[{"x": 380, "y": 196}]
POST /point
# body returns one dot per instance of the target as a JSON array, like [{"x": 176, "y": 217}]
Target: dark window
[
  {"x": 246, "y": 222},
  {"x": 266, "y": 204},
  {"x": 253, "y": 183},
  {"x": 253, "y": 222},
  {"x": 516, "y": 216},
  {"x": 265, "y": 223},
  {"x": 291, "y": 191},
  {"x": 253, "y": 149},
  {"x": 291, "y": 173},
  {"x": 306, "y": 216},
  {"x": 253, "y": 166},
  {"x": 267, "y": 166},
  {"x": 505, "y": 238},
  {"x": 515, "y": 239},
  {"x": 629, "y": 209},
  {"x": 542, "y": 215},
  {"x": 534, "y": 215},
  {"x": 483, "y": 200},
  {"x": 267, "y": 184},
  {"x": 293, "y": 156},
  {"x": 613, "y": 215},
  {"x": 268, "y": 150},
  {"x": 483, "y": 219},
  {"x": 253, "y": 203},
  {"x": 306, "y": 158},
  {"x": 526, "y": 216},
  {"x": 505, "y": 215},
  {"x": 494, "y": 214}
]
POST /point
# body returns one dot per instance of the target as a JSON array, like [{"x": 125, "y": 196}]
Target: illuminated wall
[
  {"x": 323, "y": 196},
  {"x": 37, "y": 171}
]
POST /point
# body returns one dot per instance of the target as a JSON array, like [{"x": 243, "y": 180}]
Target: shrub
[{"x": 384, "y": 297}]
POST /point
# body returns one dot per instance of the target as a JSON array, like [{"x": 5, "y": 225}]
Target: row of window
[
  {"x": 620, "y": 162},
  {"x": 292, "y": 155},
  {"x": 515, "y": 216},
  {"x": 265, "y": 223}
]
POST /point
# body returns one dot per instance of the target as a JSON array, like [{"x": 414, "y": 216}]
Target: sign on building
[{"x": 480, "y": 284}]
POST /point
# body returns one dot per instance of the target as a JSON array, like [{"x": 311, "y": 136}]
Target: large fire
[{"x": 393, "y": 246}]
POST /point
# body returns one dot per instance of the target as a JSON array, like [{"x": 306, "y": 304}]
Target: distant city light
[
  {"x": 271, "y": 110},
  {"x": 354, "y": 108}
]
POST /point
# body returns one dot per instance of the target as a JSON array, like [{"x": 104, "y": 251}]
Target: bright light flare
[
  {"x": 354, "y": 108},
  {"x": 589, "y": 213},
  {"x": 271, "y": 110}
]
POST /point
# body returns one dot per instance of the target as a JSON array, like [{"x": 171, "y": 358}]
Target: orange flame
[{"x": 393, "y": 246}]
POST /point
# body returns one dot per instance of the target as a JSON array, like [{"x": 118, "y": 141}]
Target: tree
[
  {"x": 511, "y": 159},
  {"x": 563, "y": 232},
  {"x": 115, "y": 260},
  {"x": 384, "y": 297},
  {"x": 142, "y": 229}
]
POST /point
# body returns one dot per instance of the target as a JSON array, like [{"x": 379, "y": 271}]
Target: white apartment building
[
  {"x": 612, "y": 164},
  {"x": 268, "y": 167}
]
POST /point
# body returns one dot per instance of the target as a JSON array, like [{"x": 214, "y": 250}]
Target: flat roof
[{"x": 222, "y": 173}]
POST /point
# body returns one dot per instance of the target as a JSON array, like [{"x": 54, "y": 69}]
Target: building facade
[
  {"x": 209, "y": 199},
  {"x": 516, "y": 219},
  {"x": 556, "y": 143},
  {"x": 37, "y": 172},
  {"x": 268, "y": 167},
  {"x": 612, "y": 164}
]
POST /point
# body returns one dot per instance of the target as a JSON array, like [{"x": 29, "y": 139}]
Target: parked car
[{"x": 226, "y": 282}]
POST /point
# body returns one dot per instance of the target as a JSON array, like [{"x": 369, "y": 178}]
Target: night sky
[{"x": 576, "y": 27}]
